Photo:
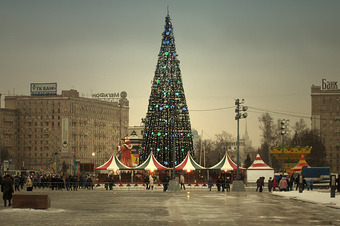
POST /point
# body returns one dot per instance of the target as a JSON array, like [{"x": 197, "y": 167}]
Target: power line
[
  {"x": 280, "y": 112},
  {"x": 216, "y": 109},
  {"x": 261, "y": 110}
]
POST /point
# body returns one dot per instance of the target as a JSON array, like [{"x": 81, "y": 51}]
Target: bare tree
[
  {"x": 299, "y": 128},
  {"x": 221, "y": 144},
  {"x": 268, "y": 136}
]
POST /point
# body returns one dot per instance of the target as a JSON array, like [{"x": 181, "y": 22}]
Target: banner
[
  {"x": 290, "y": 150},
  {"x": 135, "y": 159}
]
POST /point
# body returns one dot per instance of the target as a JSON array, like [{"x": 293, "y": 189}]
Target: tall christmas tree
[{"x": 167, "y": 123}]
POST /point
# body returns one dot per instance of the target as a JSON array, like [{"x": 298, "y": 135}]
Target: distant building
[
  {"x": 8, "y": 134},
  {"x": 61, "y": 132},
  {"x": 326, "y": 120}
]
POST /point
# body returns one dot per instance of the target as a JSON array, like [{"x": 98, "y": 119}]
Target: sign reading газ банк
[{"x": 44, "y": 88}]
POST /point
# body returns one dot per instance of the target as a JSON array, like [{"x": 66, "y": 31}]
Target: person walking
[
  {"x": 16, "y": 183},
  {"x": 227, "y": 184},
  {"x": 29, "y": 184},
  {"x": 219, "y": 183},
  {"x": 210, "y": 183},
  {"x": 259, "y": 184},
  {"x": 275, "y": 184},
  {"x": 146, "y": 181},
  {"x": 182, "y": 182},
  {"x": 165, "y": 183},
  {"x": 283, "y": 184},
  {"x": 270, "y": 184},
  {"x": 151, "y": 182},
  {"x": 111, "y": 182},
  {"x": 7, "y": 190}
]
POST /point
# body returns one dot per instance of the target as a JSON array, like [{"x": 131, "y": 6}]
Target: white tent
[{"x": 259, "y": 169}]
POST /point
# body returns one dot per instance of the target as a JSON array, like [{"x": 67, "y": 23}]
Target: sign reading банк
[{"x": 329, "y": 85}]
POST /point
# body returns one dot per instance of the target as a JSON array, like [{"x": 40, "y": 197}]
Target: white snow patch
[
  {"x": 22, "y": 210},
  {"x": 313, "y": 196}
]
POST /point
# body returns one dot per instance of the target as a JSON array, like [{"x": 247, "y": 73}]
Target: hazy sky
[{"x": 267, "y": 52}]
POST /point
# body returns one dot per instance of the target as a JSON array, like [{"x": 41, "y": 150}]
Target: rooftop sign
[
  {"x": 112, "y": 97},
  {"x": 44, "y": 88},
  {"x": 329, "y": 85}
]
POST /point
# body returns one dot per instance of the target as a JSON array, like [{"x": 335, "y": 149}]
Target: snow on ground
[{"x": 315, "y": 196}]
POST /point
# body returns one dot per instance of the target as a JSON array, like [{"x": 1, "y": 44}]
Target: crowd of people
[
  {"x": 11, "y": 184},
  {"x": 288, "y": 183},
  {"x": 222, "y": 183},
  {"x": 54, "y": 182}
]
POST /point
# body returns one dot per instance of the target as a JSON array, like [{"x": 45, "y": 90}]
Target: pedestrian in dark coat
[
  {"x": 16, "y": 183},
  {"x": 219, "y": 183},
  {"x": 165, "y": 183},
  {"x": 270, "y": 184},
  {"x": 7, "y": 190},
  {"x": 259, "y": 184},
  {"x": 210, "y": 183},
  {"x": 146, "y": 181},
  {"x": 227, "y": 184}
]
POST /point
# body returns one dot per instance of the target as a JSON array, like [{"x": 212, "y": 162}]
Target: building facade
[
  {"x": 60, "y": 132},
  {"x": 326, "y": 120},
  {"x": 8, "y": 134}
]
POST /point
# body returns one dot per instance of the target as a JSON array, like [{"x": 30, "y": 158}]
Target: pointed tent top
[
  {"x": 226, "y": 164},
  {"x": 151, "y": 164},
  {"x": 302, "y": 163},
  {"x": 259, "y": 164},
  {"x": 189, "y": 164},
  {"x": 113, "y": 164}
]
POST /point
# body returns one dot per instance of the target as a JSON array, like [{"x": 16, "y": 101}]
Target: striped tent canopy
[
  {"x": 226, "y": 164},
  {"x": 151, "y": 164},
  {"x": 302, "y": 163},
  {"x": 113, "y": 164},
  {"x": 189, "y": 164},
  {"x": 259, "y": 164}
]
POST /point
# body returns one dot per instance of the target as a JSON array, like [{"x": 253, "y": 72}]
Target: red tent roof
[
  {"x": 151, "y": 164},
  {"x": 259, "y": 164},
  {"x": 189, "y": 164},
  {"x": 300, "y": 164}
]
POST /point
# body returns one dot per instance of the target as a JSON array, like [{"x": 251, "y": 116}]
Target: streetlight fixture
[
  {"x": 284, "y": 130},
  {"x": 240, "y": 114}
]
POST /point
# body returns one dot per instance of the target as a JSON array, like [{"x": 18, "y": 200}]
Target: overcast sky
[{"x": 267, "y": 52}]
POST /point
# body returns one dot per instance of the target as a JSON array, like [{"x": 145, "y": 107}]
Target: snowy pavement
[
  {"x": 322, "y": 197},
  {"x": 190, "y": 207}
]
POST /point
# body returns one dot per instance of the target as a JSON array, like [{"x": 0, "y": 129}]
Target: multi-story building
[
  {"x": 326, "y": 120},
  {"x": 62, "y": 132},
  {"x": 8, "y": 134}
]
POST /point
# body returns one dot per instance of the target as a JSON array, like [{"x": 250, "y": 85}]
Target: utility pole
[
  {"x": 284, "y": 130},
  {"x": 240, "y": 111}
]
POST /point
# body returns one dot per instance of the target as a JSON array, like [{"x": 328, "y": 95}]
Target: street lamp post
[
  {"x": 240, "y": 113},
  {"x": 284, "y": 130}
]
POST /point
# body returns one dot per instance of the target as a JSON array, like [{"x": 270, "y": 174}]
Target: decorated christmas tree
[{"x": 167, "y": 122}]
